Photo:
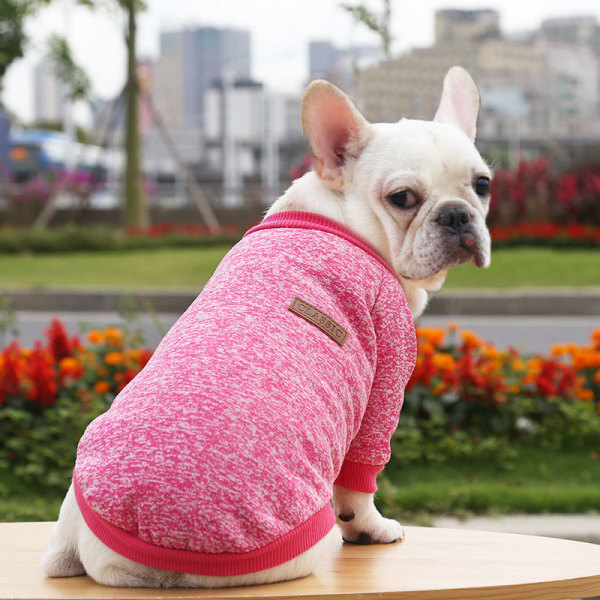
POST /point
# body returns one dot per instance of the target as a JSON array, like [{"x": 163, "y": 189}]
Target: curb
[
  {"x": 580, "y": 528},
  {"x": 475, "y": 302},
  {"x": 515, "y": 302},
  {"x": 98, "y": 300}
]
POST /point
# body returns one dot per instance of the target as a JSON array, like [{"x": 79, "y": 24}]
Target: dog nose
[{"x": 454, "y": 217}]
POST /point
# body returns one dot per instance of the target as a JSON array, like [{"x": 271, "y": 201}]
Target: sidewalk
[
  {"x": 582, "y": 528},
  {"x": 540, "y": 302}
]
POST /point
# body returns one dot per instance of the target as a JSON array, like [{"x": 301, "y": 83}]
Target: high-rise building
[
  {"x": 190, "y": 61},
  {"x": 48, "y": 93},
  {"x": 534, "y": 86},
  {"x": 339, "y": 65}
]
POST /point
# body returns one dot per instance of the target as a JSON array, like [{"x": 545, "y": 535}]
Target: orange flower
[
  {"x": 114, "y": 336},
  {"x": 584, "y": 394},
  {"x": 113, "y": 358},
  {"x": 534, "y": 365},
  {"x": 595, "y": 335},
  {"x": 101, "y": 387},
  {"x": 432, "y": 335},
  {"x": 70, "y": 366},
  {"x": 95, "y": 337},
  {"x": 571, "y": 348},
  {"x": 490, "y": 351},
  {"x": 470, "y": 339},
  {"x": 517, "y": 364},
  {"x": 444, "y": 361},
  {"x": 558, "y": 350}
]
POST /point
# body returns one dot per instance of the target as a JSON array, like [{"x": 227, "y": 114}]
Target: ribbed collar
[{"x": 306, "y": 220}]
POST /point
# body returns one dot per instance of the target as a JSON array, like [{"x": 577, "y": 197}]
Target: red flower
[
  {"x": 58, "y": 342},
  {"x": 9, "y": 372},
  {"x": 40, "y": 372}
]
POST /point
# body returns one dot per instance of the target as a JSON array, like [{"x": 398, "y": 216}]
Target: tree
[
  {"x": 379, "y": 25},
  {"x": 67, "y": 70},
  {"x": 13, "y": 40},
  {"x": 136, "y": 209},
  {"x": 12, "y": 34}
]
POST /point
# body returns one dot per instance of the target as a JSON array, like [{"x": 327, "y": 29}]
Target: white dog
[{"x": 278, "y": 390}]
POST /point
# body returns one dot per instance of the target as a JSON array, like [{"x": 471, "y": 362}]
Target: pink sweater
[{"x": 284, "y": 376}]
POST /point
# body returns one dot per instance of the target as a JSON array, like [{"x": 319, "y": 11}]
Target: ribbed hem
[
  {"x": 306, "y": 220},
  {"x": 285, "y": 548},
  {"x": 358, "y": 477}
]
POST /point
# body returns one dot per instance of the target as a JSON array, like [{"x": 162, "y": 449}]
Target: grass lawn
[
  {"x": 531, "y": 267},
  {"x": 191, "y": 268},
  {"x": 539, "y": 481},
  {"x": 178, "y": 267}
]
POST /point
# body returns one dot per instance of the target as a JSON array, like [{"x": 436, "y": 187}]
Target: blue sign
[{"x": 4, "y": 146}]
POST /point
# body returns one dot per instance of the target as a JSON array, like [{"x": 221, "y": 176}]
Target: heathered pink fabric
[{"x": 220, "y": 456}]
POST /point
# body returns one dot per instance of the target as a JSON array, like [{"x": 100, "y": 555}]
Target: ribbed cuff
[
  {"x": 283, "y": 549},
  {"x": 358, "y": 477}
]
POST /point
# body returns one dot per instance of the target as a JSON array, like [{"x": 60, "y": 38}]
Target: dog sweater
[{"x": 286, "y": 375}]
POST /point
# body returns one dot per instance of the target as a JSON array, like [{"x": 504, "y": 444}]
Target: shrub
[
  {"x": 76, "y": 239},
  {"x": 49, "y": 394},
  {"x": 465, "y": 400},
  {"x": 534, "y": 193}
]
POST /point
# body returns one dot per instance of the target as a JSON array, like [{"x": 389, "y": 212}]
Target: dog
[{"x": 265, "y": 413}]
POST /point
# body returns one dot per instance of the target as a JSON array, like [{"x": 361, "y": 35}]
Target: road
[{"x": 526, "y": 334}]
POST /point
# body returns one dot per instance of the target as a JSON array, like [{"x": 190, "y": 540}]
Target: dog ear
[
  {"x": 335, "y": 129},
  {"x": 460, "y": 102}
]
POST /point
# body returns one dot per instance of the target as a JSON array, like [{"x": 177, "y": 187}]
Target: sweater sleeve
[{"x": 396, "y": 356}]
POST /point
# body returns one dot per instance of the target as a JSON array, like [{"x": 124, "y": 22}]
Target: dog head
[{"x": 416, "y": 190}]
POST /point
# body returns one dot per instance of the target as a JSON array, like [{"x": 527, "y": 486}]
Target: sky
[{"x": 280, "y": 29}]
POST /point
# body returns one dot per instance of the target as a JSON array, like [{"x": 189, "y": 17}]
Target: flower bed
[
  {"x": 546, "y": 234},
  {"x": 466, "y": 398},
  {"x": 49, "y": 393},
  {"x": 534, "y": 193}
]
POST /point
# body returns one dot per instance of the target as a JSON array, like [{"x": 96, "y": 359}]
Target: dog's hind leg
[{"x": 62, "y": 557}]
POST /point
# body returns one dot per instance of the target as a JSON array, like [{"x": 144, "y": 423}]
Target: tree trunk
[{"x": 136, "y": 210}]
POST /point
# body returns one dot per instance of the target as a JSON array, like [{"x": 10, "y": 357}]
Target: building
[
  {"x": 534, "y": 86},
  {"x": 245, "y": 128},
  {"x": 339, "y": 65},
  {"x": 49, "y": 93},
  {"x": 190, "y": 61}
]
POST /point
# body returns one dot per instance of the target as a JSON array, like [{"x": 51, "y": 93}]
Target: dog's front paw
[{"x": 371, "y": 529}]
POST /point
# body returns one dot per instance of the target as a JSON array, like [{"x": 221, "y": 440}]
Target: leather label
[{"x": 317, "y": 317}]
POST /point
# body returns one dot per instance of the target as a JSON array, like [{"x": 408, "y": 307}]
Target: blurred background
[
  {"x": 140, "y": 139},
  {"x": 217, "y": 90},
  {"x": 131, "y": 124}
]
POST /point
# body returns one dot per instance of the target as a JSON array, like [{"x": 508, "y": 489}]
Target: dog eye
[
  {"x": 482, "y": 187},
  {"x": 404, "y": 199}
]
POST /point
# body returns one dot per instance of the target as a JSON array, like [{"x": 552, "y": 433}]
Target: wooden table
[{"x": 431, "y": 564}]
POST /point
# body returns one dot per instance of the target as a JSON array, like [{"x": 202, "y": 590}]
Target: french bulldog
[{"x": 386, "y": 211}]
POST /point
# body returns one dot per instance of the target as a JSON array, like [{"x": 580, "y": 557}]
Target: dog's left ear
[
  {"x": 460, "y": 102},
  {"x": 335, "y": 129}
]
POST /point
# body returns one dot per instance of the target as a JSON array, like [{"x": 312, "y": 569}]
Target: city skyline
[{"x": 279, "y": 43}]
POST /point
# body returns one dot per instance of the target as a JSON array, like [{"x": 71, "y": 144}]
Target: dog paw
[{"x": 372, "y": 530}]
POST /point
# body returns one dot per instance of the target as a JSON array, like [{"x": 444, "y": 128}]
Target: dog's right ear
[{"x": 335, "y": 129}]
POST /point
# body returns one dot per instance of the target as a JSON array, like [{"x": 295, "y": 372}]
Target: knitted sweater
[{"x": 286, "y": 375}]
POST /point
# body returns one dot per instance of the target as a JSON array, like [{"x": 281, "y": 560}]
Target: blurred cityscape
[{"x": 203, "y": 115}]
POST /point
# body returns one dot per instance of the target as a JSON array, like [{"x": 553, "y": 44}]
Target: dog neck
[{"x": 310, "y": 194}]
